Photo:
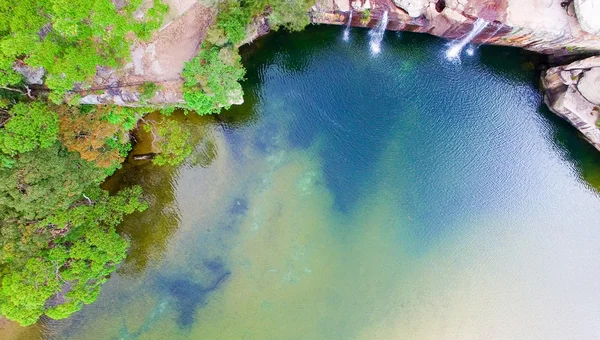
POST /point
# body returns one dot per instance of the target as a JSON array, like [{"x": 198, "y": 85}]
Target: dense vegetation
[
  {"x": 212, "y": 78},
  {"x": 58, "y": 239},
  {"x": 58, "y": 242}
]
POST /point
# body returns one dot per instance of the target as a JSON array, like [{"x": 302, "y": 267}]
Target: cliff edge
[{"x": 573, "y": 92}]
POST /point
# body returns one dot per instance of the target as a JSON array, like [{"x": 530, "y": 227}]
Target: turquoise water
[{"x": 353, "y": 196}]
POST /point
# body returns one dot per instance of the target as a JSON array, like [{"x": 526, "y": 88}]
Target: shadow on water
[
  {"x": 190, "y": 294},
  {"x": 150, "y": 231},
  {"x": 312, "y": 110},
  {"x": 184, "y": 293},
  {"x": 495, "y": 59},
  {"x": 576, "y": 150}
]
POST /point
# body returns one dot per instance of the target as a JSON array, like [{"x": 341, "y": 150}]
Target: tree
[
  {"x": 98, "y": 133},
  {"x": 42, "y": 181},
  {"x": 70, "y": 270},
  {"x": 28, "y": 127},
  {"x": 69, "y": 38},
  {"x": 212, "y": 79}
]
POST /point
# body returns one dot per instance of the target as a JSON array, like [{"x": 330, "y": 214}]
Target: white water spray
[
  {"x": 470, "y": 50},
  {"x": 455, "y": 49},
  {"x": 377, "y": 34},
  {"x": 347, "y": 30}
]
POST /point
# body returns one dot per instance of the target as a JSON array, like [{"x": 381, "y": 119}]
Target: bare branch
[
  {"x": 11, "y": 89},
  {"x": 88, "y": 199}
]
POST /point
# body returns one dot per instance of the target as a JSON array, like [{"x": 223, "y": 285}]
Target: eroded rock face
[
  {"x": 588, "y": 13},
  {"x": 589, "y": 85},
  {"x": 414, "y": 8},
  {"x": 573, "y": 93},
  {"x": 544, "y": 26}
]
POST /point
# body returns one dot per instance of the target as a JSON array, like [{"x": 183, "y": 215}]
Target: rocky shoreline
[
  {"x": 550, "y": 27},
  {"x": 573, "y": 92},
  {"x": 531, "y": 24}
]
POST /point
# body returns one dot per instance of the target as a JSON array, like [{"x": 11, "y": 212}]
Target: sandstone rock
[
  {"x": 576, "y": 103},
  {"x": 568, "y": 78},
  {"x": 119, "y": 4},
  {"x": 342, "y": 5},
  {"x": 414, "y": 8},
  {"x": 91, "y": 99},
  {"x": 584, "y": 64},
  {"x": 236, "y": 97},
  {"x": 360, "y": 6},
  {"x": 573, "y": 93},
  {"x": 588, "y": 14},
  {"x": 589, "y": 85}
]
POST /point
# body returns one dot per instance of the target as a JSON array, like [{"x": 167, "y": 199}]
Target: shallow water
[{"x": 353, "y": 196}]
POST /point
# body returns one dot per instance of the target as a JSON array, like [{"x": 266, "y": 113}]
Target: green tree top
[
  {"x": 69, "y": 38},
  {"x": 70, "y": 270}
]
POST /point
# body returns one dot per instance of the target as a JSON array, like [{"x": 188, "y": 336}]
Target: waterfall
[
  {"x": 377, "y": 34},
  {"x": 347, "y": 30},
  {"x": 471, "y": 49},
  {"x": 454, "y": 50}
]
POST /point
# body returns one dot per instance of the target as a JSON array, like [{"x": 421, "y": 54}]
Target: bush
[
  {"x": 365, "y": 17},
  {"x": 233, "y": 20},
  {"x": 212, "y": 78}
]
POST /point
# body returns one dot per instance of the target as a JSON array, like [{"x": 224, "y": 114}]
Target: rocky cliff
[
  {"x": 554, "y": 27},
  {"x": 573, "y": 93},
  {"x": 544, "y": 26}
]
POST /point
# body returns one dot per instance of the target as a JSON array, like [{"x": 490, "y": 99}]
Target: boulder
[
  {"x": 573, "y": 93},
  {"x": 414, "y": 8},
  {"x": 588, "y": 14},
  {"x": 31, "y": 75},
  {"x": 589, "y": 85}
]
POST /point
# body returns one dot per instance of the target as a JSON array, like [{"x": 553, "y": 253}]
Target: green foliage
[
  {"x": 211, "y": 79},
  {"x": 87, "y": 130},
  {"x": 168, "y": 110},
  {"x": 174, "y": 141},
  {"x": 291, "y": 15},
  {"x": 126, "y": 117},
  {"x": 58, "y": 242},
  {"x": 365, "y": 16},
  {"x": 233, "y": 19},
  {"x": 69, "y": 272},
  {"x": 29, "y": 127},
  {"x": 69, "y": 38},
  {"x": 56, "y": 246},
  {"x": 147, "y": 91},
  {"x": 42, "y": 181}
]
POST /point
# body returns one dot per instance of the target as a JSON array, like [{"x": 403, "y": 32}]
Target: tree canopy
[
  {"x": 69, "y": 38},
  {"x": 58, "y": 239}
]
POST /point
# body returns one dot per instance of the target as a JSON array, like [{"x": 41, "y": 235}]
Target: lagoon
[{"x": 361, "y": 196}]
